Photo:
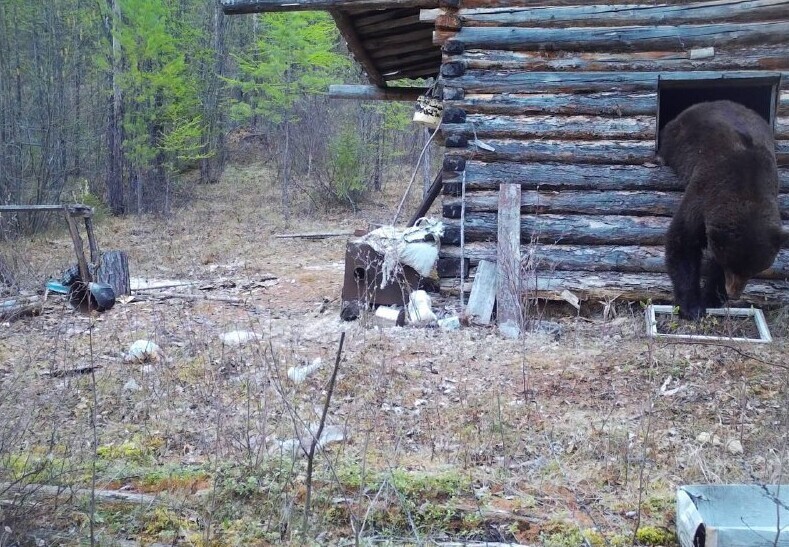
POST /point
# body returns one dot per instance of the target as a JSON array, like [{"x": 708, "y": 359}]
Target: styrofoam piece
[
  {"x": 765, "y": 337},
  {"x": 728, "y": 515}
]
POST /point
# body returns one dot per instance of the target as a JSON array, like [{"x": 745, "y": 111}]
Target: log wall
[{"x": 562, "y": 99}]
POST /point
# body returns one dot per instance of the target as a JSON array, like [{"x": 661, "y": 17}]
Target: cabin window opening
[{"x": 674, "y": 96}]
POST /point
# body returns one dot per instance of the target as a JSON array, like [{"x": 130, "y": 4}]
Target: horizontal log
[
  {"x": 753, "y": 58},
  {"x": 568, "y": 202},
  {"x": 480, "y": 175},
  {"x": 593, "y": 104},
  {"x": 593, "y": 258},
  {"x": 553, "y": 127},
  {"x": 629, "y": 14},
  {"x": 580, "y": 229},
  {"x": 487, "y": 81},
  {"x": 375, "y": 93},
  {"x": 626, "y": 286},
  {"x": 236, "y": 7},
  {"x": 579, "y": 152},
  {"x": 624, "y": 38},
  {"x": 566, "y": 127}
]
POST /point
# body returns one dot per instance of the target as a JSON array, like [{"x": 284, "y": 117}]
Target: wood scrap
[
  {"x": 25, "y": 306},
  {"x": 188, "y": 296},
  {"x": 313, "y": 235},
  {"x": 71, "y": 371}
]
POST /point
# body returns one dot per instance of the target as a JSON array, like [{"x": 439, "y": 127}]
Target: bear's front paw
[{"x": 692, "y": 313}]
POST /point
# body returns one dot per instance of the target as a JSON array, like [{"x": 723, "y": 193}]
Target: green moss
[{"x": 652, "y": 535}]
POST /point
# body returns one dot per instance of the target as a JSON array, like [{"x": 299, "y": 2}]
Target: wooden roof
[{"x": 385, "y": 36}]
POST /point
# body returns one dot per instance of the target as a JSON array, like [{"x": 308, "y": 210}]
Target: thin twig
[{"x": 316, "y": 438}]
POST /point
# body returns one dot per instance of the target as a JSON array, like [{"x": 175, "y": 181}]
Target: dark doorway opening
[{"x": 674, "y": 96}]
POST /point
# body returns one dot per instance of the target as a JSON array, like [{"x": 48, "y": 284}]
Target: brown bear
[{"x": 724, "y": 154}]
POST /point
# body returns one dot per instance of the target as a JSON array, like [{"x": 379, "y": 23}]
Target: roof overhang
[{"x": 386, "y": 37}]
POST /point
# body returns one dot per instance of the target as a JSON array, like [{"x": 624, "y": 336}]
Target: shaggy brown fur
[{"x": 725, "y": 155}]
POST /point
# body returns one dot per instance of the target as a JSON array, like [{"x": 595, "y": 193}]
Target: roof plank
[{"x": 232, "y": 7}]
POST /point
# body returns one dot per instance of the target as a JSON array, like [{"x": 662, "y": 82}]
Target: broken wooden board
[{"x": 483, "y": 293}]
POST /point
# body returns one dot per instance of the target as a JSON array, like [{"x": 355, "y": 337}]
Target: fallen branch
[
  {"x": 314, "y": 235},
  {"x": 188, "y": 296},
  {"x": 71, "y": 371},
  {"x": 11, "y": 310},
  {"x": 50, "y": 491}
]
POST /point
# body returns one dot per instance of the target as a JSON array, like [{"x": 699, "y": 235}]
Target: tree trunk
[
  {"x": 115, "y": 197},
  {"x": 114, "y": 270}
]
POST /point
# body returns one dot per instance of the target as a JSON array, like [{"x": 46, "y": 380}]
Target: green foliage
[
  {"x": 295, "y": 55},
  {"x": 347, "y": 167},
  {"x": 166, "y": 116}
]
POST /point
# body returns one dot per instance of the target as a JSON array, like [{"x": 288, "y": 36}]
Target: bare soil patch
[{"x": 458, "y": 435}]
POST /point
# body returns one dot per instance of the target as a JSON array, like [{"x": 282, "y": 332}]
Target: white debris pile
[{"x": 416, "y": 247}]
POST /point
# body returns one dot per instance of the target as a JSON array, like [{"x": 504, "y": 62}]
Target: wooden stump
[{"x": 113, "y": 269}]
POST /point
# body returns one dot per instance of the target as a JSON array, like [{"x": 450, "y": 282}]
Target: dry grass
[{"x": 450, "y": 434}]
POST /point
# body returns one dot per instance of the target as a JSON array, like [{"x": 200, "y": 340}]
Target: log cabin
[{"x": 552, "y": 114}]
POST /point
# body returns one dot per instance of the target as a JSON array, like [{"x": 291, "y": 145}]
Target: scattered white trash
[
  {"x": 298, "y": 374},
  {"x": 419, "y": 308},
  {"x": 238, "y": 338},
  {"x": 143, "y": 351}
]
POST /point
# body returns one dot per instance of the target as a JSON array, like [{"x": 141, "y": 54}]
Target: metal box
[{"x": 364, "y": 275}]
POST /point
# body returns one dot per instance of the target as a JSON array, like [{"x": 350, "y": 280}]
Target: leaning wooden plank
[
  {"x": 508, "y": 265},
  {"x": 481, "y": 175},
  {"x": 491, "y": 81},
  {"x": 483, "y": 293},
  {"x": 624, "y": 38},
  {"x": 236, "y": 7},
  {"x": 594, "y": 258},
  {"x": 751, "y": 58},
  {"x": 593, "y": 104},
  {"x": 374, "y": 93},
  {"x": 553, "y": 127},
  {"x": 626, "y": 286},
  {"x": 579, "y": 229},
  {"x": 629, "y": 14}
]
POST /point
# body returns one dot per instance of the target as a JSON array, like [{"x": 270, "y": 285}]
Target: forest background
[{"x": 126, "y": 104}]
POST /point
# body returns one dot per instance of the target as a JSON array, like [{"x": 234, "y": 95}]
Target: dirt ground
[{"x": 575, "y": 438}]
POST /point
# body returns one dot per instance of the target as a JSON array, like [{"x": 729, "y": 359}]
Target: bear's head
[{"x": 745, "y": 252}]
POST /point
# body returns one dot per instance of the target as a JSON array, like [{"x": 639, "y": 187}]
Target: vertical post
[
  {"x": 508, "y": 309},
  {"x": 92, "y": 244},
  {"x": 79, "y": 249}
]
